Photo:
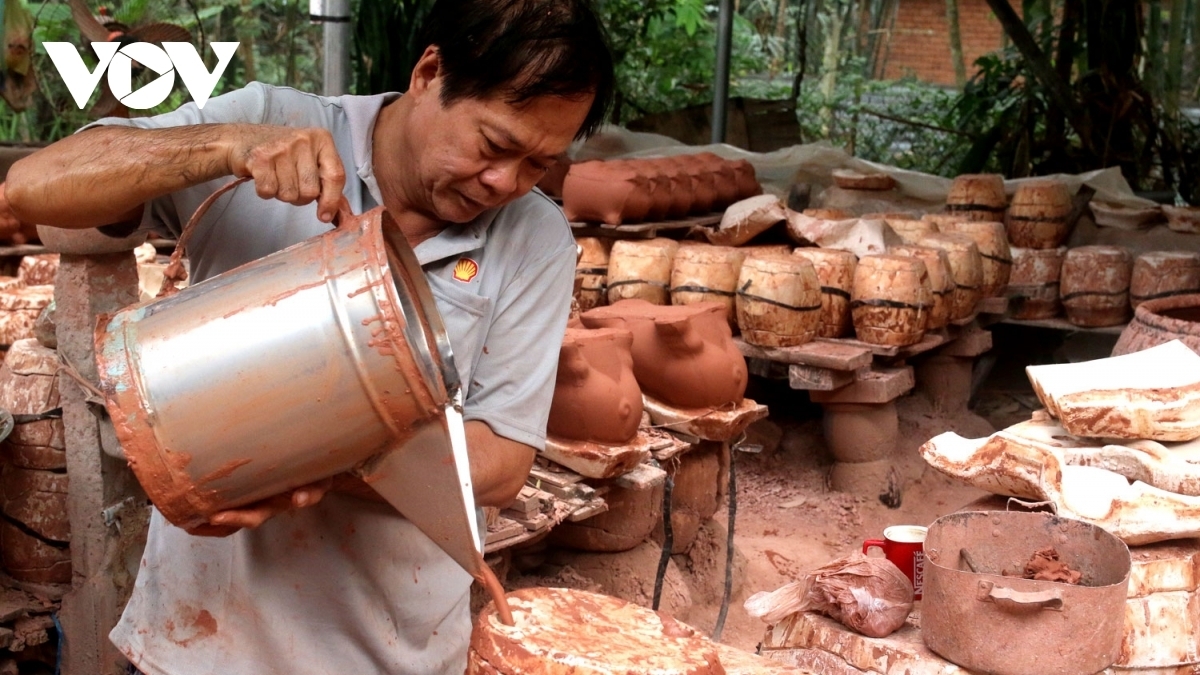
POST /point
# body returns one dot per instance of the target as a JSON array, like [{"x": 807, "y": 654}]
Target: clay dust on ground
[{"x": 788, "y": 521}]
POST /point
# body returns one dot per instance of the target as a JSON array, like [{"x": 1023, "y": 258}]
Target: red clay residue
[
  {"x": 1045, "y": 566},
  {"x": 200, "y": 626},
  {"x": 224, "y": 471},
  {"x": 494, "y": 589}
]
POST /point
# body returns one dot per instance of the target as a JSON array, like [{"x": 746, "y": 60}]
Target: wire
[
  {"x": 668, "y": 542},
  {"x": 62, "y": 639},
  {"x": 720, "y": 626}
]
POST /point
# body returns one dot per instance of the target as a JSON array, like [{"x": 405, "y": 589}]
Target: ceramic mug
[{"x": 904, "y": 545}]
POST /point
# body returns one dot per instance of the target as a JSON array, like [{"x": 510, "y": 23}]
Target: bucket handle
[
  {"x": 1016, "y": 601},
  {"x": 175, "y": 271}
]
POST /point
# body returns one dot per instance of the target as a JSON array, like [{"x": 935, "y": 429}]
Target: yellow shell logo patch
[{"x": 465, "y": 270}]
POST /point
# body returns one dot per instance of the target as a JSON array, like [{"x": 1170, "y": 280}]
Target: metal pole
[
  {"x": 334, "y": 15},
  {"x": 721, "y": 86}
]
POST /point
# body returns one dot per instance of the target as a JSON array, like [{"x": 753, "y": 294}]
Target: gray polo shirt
[{"x": 349, "y": 586}]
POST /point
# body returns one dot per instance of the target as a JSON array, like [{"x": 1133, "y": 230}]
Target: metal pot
[
  {"x": 1007, "y": 625},
  {"x": 326, "y": 357}
]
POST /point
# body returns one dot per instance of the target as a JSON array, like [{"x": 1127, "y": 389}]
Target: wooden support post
[{"x": 106, "y": 506}]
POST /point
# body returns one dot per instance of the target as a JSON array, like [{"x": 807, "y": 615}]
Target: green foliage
[
  {"x": 278, "y": 45},
  {"x": 386, "y": 43},
  {"x": 666, "y": 55}
]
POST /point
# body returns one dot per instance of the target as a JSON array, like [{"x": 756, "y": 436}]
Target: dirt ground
[{"x": 788, "y": 521}]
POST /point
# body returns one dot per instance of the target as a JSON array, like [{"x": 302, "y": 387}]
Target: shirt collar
[{"x": 361, "y": 113}]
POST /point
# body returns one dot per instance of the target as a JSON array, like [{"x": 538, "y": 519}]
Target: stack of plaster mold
[
  {"x": 1118, "y": 446},
  {"x": 832, "y": 228},
  {"x": 679, "y": 366},
  {"x": 35, "y": 529},
  {"x": 23, "y": 297},
  {"x": 1107, "y": 422}
]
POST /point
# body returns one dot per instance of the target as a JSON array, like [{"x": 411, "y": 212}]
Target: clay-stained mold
[
  {"x": 778, "y": 300},
  {"x": 641, "y": 270},
  {"x": 835, "y": 273},
  {"x": 891, "y": 299}
]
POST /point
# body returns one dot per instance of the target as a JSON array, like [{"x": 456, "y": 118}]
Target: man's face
[{"x": 479, "y": 154}]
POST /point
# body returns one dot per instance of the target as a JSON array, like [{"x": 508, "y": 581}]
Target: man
[{"x": 346, "y": 585}]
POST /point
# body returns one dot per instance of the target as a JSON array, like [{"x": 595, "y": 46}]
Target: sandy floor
[{"x": 788, "y": 520}]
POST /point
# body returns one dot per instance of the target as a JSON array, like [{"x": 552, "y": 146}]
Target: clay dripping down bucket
[{"x": 325, "y": 358}]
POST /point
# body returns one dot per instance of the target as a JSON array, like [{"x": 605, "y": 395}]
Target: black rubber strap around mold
[
  {"x": 1081, "y": 294},
  {"x": 701, "y": 289},
  {"x": 883, "y": 302}
]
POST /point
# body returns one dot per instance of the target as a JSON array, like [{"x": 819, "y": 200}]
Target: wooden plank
[
  {"x": 930, "y": 341},
  {"x": 706, "y": 220},
  {"x": 710, "y": 424},
  {"x": 820, "y": 353},
  {"x": 877, "y": 350},
  {"x": 819, "y": 379},
  {"x": 642, "y": 477},
  {"x": 527, "y": 500},
  {"x": 969, "y": 344},
  {"x": 676, "y": 447},
  {"x": 506, "y": 533},
  {"x": 1064, "y": 325},
  {"x": 28, "y": 249},
  {"x": 534, "y": 522},
  {"x": 996, "y": 305},
  {"x": 558, "y": 476},
  {"x": 644, "y": 230},
  {"x": 878, "y": 385},
  {"x": 772, "y": 370},
  {"x": 587, "y": 510}
]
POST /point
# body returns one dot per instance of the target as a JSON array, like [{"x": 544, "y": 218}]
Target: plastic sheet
[{"x": 868, "y": 595}]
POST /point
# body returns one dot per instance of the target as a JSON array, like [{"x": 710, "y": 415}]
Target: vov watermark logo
[{"x": 117, "y": 60}]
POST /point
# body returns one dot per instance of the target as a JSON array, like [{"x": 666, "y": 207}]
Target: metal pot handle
[
  {"x": 1012, "y": 600},
  {"x": 175, "y": 271}
]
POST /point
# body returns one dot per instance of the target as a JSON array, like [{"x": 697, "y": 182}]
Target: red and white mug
[{"x": 904, "y": 545}]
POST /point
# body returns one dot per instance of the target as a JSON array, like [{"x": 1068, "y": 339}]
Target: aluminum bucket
[{"x": 326, "y": 357}]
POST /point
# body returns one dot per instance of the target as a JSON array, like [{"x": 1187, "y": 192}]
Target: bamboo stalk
[
  {"x": 1174, "y": 71},
  {"x": 1196, "y": 46},
  {"x": 1154, "y": 49},
  {"x": 829, "y": 66},
  {"x": 956, "y": 49}
]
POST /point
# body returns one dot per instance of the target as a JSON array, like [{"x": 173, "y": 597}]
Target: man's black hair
[{"x": 522, "y": 49}]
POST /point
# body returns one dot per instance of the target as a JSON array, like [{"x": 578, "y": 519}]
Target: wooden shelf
[
  {"x": 1064, "y": 325},
  {"x": 22, "y": 250},
  {"x": 644, "y": 230}
]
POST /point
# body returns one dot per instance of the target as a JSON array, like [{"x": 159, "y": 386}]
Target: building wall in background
[{"x": 920, "y": 41}]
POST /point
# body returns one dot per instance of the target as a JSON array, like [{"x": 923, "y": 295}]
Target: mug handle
[{"x": 874, "y": 543}]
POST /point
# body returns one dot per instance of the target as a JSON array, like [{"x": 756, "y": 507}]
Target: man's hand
[
  {"x": 225, "y": 523},
  {"x": 296, "y": 166},
  {"x": 9, "y": 223}
]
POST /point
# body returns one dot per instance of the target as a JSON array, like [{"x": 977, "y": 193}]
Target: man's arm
[
  {"x": 499, "y": 465},
  {"x": 104, "y": 175}
]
